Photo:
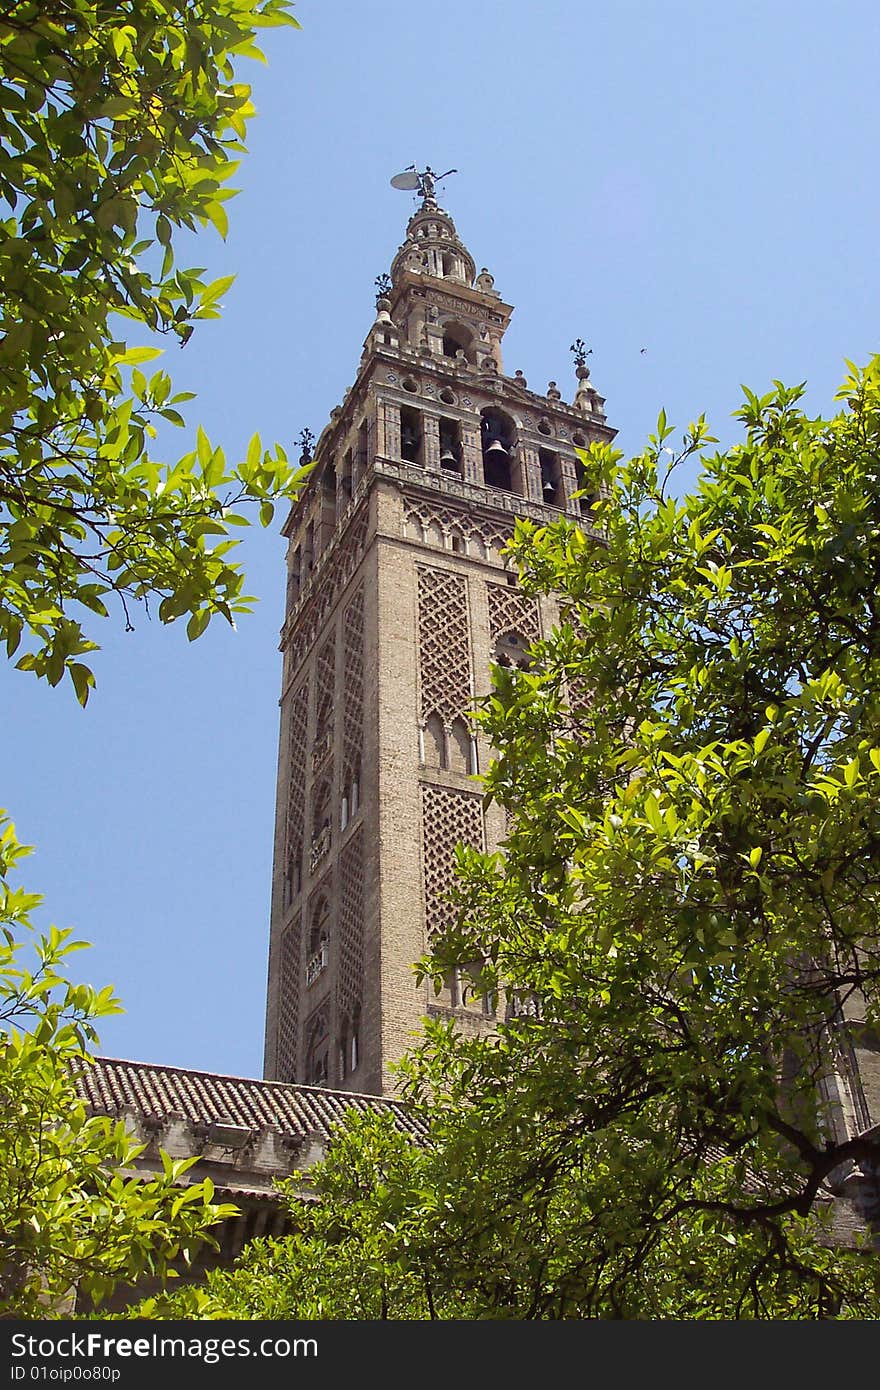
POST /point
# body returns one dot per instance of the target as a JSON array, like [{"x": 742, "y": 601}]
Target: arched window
[
  {"x": 458, "y": 339},
  {"x": 322, "y": 833},
  {"x": 317, "y": 1051},
  {"x": 317, "y": 1059},
  {"x": 450, "y": 445},
  {"x": 410, "y": 435},
  {"x": 319, "y": 940},
  {"x": 497, "y": 437},
  {"x": 551, "y": 478},
  {"x": 585, "y": 503},
  {"x": 319, "y": 924}
]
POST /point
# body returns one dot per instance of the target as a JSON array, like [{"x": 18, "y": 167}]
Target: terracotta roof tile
[{"x": 110, "y": 1085}]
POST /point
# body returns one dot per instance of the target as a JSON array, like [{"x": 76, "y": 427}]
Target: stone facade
[{"x": 398, "y": 600}]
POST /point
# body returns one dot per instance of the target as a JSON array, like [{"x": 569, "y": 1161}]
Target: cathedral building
[{"x": 398, "y": 600}]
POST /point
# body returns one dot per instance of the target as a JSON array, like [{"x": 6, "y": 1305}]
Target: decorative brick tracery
[
  {"x": 448, "y": 818},
  {"x": 510, "y": 610},
  {"x": 482, "y": 539},
  {"x": 444, "y": 645},
  {"x": 288, "y": 1001},
  {"x": 294, "y": 835},
  {"x": 353, "y": 700},
  {"x": 324, "y": 704},
  {"x": 350, "y": 970}
]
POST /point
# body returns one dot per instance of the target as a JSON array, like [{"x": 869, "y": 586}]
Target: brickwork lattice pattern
[
  {"x": 353, "y": 668},
  {"x": 294, "y": 835},
  {"x": 350, "y": 974},
  {"x": 448, "y": 818},
  {"x": 444, "y": 645},
  {"x": 510, "y": 610},
  {"x": 325, "y": 676},
  {"x": 288, "y": 1003},
  {"x": 347, "y": 553}
]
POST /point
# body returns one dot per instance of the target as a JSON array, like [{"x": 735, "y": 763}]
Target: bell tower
[{"x": 398, "y": 601}]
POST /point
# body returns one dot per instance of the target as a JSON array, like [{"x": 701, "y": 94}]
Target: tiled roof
[{"x": 110, "y": 1085}]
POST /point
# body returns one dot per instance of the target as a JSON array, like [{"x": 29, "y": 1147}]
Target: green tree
[
  {"x": 74, "y": 1219},
  {"x": 687, "y": 907},
  {"x": 684, "y": 919},
  {"x": 355, "y": 1253},
  {"x": 122, "y": 120}
]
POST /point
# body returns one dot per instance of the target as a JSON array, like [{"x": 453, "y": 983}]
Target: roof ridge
[{"x": 251, "y": 1080}]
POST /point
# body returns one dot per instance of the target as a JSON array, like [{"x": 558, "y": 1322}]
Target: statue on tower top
[{"x": 423, "y": 181}]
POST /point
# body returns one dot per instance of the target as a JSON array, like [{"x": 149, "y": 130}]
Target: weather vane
[
  {"x": 423, "y": 180},
  {"x": 305, "y": 442},
  {"x": 383, "y": 286},
  {"x": 580, "y": 352}
]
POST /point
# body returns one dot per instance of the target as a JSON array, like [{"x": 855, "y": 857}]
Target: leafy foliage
[
  {"x": 355, "y": 1253},
  {"x": 120, "y": 122},
  {"x": 681, "y": 935},
  {"x": 687, "y": 907},
  {"x": 73, "y": 1214}
]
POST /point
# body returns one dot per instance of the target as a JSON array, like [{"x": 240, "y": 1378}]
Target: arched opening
[
  {"x": 351, "y": 793},
  {"x": 319, "y": 924},
  {"x": 318, "y": 1050},
  {"x": 551, "y": 478},
  {"x": 322, "y": 833},
  {"x": 450, "y": 445},
  {"x": 497, "y": 435},
  {"x": 585, "y": 503},
  {"x": 327, "y": 517},
  {"x": 458, "y": 339},
  {"x": 410, "y": 435},
  {"x": 319, "y": 940}
]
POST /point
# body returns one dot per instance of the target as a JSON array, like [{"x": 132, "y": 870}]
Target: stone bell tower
[{"x": 398, "y": 601}]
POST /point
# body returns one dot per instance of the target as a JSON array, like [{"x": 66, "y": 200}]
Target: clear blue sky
[{"x": 696, "y": 179}]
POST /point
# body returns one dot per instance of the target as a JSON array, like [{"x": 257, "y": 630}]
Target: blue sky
[{"x": 693, "y": 179}]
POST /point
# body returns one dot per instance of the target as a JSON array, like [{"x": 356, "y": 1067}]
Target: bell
[
  {"x": 496, "y": 447},
  {"x": 448, "y": 459},
  {"x": 547, "y": 488}
]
